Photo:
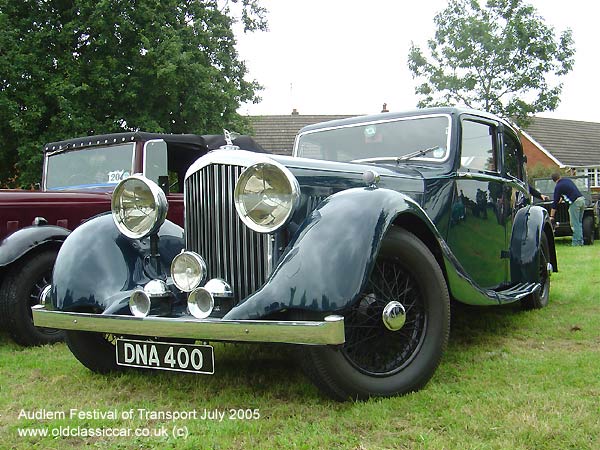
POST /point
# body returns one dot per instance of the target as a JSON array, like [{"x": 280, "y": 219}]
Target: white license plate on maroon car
[{"x": 166, "y": 356}]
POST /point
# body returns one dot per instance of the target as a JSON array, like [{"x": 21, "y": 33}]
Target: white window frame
[{"x": 593, "y": 174}]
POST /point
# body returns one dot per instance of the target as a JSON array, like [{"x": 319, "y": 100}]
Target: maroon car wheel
[{"x": 20, "y": 291}]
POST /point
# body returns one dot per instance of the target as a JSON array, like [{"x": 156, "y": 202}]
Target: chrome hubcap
[{"x": 393, "y": 316}]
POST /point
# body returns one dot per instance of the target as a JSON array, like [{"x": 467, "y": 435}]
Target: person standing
[{"x": 566, "y": 190}]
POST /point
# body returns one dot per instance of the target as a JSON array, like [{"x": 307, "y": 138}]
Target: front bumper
[{"x": 328, "y": 332}]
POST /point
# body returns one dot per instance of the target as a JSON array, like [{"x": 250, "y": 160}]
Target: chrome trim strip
[
  {"x": 45, "y": 171},
  {"x": 328, "y": 332}
]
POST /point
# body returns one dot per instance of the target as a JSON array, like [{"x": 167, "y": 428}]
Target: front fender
[
  {"x": 97, "y": 267},
  {"x": 327, "y": 264},
  {"x": 529, "y": 224},
  {"x": 22, "y": 241}
]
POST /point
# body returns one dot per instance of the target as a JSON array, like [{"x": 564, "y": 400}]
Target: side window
[
  {"x": 180, "y": 158},
  {"x": 477, "y": 146},
  {"x": 155, "y": 159},
  {"x": 513, "y": 160}
]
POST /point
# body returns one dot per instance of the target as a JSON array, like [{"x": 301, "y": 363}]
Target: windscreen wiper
[
  {"x": 412, "y": 155},
  {"x": 398, "y": 159}
]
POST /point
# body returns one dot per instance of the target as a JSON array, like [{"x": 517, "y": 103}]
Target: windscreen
[
  {"x": 397, "y": 138},
  {"x": 546, "y": 186},
  {"x": 89, "y": 167}
]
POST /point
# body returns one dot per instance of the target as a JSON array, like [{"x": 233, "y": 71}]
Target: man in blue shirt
[{"x": 565, "y": 190}]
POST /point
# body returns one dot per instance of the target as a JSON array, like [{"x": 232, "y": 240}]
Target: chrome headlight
[
  {"x": 188, "y": 269},
  {"x": 139, "y": 207},
  {"x": 266, "y": 195}
]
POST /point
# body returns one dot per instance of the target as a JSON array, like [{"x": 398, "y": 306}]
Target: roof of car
[
  {"x": 193, "y": 141},
  {"x": 397, "y": 115}
]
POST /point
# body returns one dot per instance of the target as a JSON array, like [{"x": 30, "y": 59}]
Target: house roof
[
  {"x": 574, "y": 143},
  {"x": 276, "y": 133},
  {"x": 571, "y": 143}
]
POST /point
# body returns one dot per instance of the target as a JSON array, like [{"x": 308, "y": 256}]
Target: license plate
[{"x": 166, "y": 356}]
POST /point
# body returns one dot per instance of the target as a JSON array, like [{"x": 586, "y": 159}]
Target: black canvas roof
[{"x": 193, "y": 141}]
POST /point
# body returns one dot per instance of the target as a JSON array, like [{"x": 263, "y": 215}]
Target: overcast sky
[{"x": 350, "y": 57}]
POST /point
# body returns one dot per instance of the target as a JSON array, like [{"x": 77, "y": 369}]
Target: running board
[{"x": 516, "y": 292}]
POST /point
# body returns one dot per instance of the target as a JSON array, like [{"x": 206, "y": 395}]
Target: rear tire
[
  {"x": 540, "y": 298},
  {"x": 375, "y": 361},
  {"x": 20, "y": 291},
  {"x": 588, "y": 230}
]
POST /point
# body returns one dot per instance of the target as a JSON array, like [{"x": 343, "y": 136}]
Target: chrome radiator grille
[{"x": 213, "y": 229}]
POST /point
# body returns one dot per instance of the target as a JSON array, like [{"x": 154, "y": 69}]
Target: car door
[
  {"x": 516, "y": 189},
  {"x": 477, "y": 232}
]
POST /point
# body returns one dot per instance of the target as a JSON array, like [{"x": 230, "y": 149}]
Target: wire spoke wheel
[
  {"x": 375, "y": 360},
  {"x": 38, "y": 287},
  {"x": 370, "y": 346}
]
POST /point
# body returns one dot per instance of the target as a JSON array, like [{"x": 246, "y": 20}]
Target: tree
[
  {"x": 79, "y": 67},
  {"x": 501, "y": 58}
]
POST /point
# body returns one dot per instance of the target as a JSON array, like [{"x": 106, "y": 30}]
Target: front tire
[
  {"x": 375, "y": 361},
  {"x": 96, "y": 351},
  {"x": 20, "y": 291}
]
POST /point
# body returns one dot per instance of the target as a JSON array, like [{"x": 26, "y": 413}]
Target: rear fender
[{"x": 529, "y": 224}]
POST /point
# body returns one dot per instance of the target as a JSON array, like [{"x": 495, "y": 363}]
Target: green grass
[{"x": 509, "y": 380}]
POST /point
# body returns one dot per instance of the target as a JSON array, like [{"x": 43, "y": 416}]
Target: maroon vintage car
[{"x": 78, "y": 178}]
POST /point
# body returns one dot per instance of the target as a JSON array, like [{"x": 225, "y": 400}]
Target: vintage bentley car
[{"x": 351, "y": 248}]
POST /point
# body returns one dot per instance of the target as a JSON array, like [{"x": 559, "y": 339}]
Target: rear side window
[
  {"x": 513, "y": 160},
  {"x": 477, "y": 147}
]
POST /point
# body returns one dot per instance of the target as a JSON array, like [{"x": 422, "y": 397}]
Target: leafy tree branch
[
  {"x": 77, "y": 67},
  {"x": 500, "y": 57}
]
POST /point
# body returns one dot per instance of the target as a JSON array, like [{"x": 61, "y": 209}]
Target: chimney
[
  {"x": 295, "y": 112},
  {"x": 384, "y": 109}
]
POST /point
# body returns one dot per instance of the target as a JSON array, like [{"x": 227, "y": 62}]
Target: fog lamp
[
  {"x": 188, "y": 270},
  {"x": 153, "y": 299},
  {"x": 200, "y": 303}
]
